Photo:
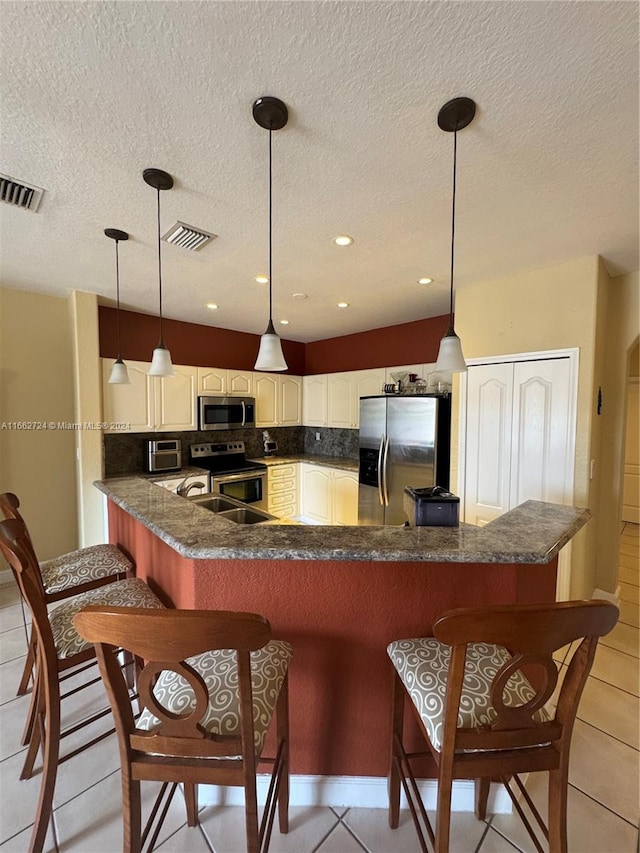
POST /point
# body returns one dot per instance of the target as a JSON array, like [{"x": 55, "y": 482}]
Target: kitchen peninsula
[{"x": 339, "y": 595}]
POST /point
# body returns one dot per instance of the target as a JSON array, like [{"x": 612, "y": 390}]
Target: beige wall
[
  {"x": 622, "y": 330},
  {"x": 36, "y": 385},
  {"x": 545, "y": 309}
]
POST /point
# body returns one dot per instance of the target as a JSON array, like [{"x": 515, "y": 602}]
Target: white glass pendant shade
[
  {"x": 450, "y": 357},
  {"x": 270, "y": 356},
  {"x": 119, "y": 373},
  {"x": 161, "y": 362}
]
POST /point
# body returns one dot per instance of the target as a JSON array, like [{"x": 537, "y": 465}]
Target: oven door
[{"x": 250, "y": 487}]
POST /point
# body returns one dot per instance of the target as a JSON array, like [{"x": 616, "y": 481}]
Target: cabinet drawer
[
  {"x": 282, "y": 486},
  {"x": 281, "y": 472},
  {"x": 282, "y": 499}
]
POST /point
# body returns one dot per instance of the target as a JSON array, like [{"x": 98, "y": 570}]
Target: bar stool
[
  {"x": 59, "y": 650},
  {"x": 70, "y": 574},
  {"x": 208, "y": 691},
  {"x": 482, "y": 718}
]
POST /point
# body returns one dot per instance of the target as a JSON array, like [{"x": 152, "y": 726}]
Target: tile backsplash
[{"x": 125, "y": 453}]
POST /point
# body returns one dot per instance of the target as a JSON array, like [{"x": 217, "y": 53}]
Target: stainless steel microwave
[{"x": 226, "y": 413}]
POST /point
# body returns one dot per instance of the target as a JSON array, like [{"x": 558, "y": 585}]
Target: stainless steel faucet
[{"x": 183, "y": 490}]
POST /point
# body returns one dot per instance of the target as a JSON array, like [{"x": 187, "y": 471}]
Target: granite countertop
[
  {"x": 533, "y": 532},
  {"x": 322, "y": 461}
]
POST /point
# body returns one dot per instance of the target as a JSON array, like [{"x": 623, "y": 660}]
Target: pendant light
[
  {"x": 453, "y": 116},
  {"x": 161, "y": 362},
  {"x": 270, "y": 113},
  {"x": 119, "y": 372}
]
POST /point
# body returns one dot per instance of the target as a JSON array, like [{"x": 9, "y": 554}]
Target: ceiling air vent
[
  {"x": 188, "y": 237},
  {"x": 19, "y": 193}
]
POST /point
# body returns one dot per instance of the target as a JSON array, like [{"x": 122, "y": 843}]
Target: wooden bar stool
[
  {"x": 208, "y": 691},
  {"x": 59, "y": 650},
  {"x": 480, "y": 715},
  {"x": 69, "y": 574}
]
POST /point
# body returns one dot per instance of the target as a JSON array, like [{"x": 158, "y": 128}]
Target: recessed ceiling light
[
  {"x": 425, "y": 281},
  {"x": 262, "y": 279},
  {"x": 299, "y": 295},
  {"x": 343, "y": 240},
  {"x": 212, "y": 306},
  {"x": 284, "y": 322},
  {"x": 343, "y": 304}
]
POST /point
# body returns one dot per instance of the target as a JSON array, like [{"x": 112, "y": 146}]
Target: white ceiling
[{"x": 94, "y": 92}]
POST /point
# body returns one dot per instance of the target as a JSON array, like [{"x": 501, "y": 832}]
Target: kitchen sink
[
  {"x": 214, "y": 503},
  {"x": 233, "y": 510},
  {"x": 246, "y": 515}
]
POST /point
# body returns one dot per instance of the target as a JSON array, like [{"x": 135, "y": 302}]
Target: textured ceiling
[{"x": 94, "y": 92}]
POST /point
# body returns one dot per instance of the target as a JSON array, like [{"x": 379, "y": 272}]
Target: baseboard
[
  {"x": 613, "y": 597},
  {"x": 354, "y": 792}
]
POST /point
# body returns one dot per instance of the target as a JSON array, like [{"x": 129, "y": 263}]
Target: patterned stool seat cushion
[
  {"x": 132, "y": 592},
  {"x": 219, "y": 671},
  {"x": 87, "y": 564},
  {"x": 423, "y": 666}
]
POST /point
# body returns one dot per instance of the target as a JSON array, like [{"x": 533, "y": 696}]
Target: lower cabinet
[
  {"x": 282, "y": 487},
  {"x": 328, "y": 495}
]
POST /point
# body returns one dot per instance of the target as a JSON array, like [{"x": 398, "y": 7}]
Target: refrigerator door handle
[
  {"x": 380, "y": 459},
  {"x": 385, "y": 472}
]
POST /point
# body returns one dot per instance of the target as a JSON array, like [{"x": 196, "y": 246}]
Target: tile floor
[{"x": 603, "y": 796}]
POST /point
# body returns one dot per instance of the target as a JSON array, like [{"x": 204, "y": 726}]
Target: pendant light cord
[
  {"x": 118, "y": 297},
  {"x": 161, "y": 344},
  {"x": 270, "y": 230},
  {"x": 453, "y": 221}
]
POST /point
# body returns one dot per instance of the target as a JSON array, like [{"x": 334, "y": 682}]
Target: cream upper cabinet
[
  {"x": 328, "y": 495},
  {"x": 212, "y": 380},
  {"x": 265, "y": 389},
  {"x": 278, "y": 399},
  {"x": 240, "y": 382},
  {"x": 290, "y": 393},
  {"x": 176, "y": 398},
  {"x": 132, "y": 404},
  {"x": 314, "y": 400},
  {"x": 343, "y": 395},
  {"x": 151, "y": 403}
]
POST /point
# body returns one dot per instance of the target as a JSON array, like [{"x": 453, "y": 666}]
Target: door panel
[{"x": 489, "y": 406}]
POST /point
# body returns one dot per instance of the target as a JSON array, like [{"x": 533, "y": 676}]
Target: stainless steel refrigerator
[{"x": 404, "y": 441}]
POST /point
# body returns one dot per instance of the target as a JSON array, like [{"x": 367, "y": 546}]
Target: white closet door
[
  {"x": 488, "y": 450},
  {"x": 541, "y": 439}
]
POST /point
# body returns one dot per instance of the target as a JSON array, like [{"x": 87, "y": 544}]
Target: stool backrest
[
  {"x": 164, "y": 639},
  {"x": 16, "y": 545},
  {"x": 531, "y": 634},
  {"x": 9, "y": 506}
]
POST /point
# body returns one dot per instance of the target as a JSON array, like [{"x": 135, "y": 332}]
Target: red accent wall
[
  {"x": 408, "y": 343},
  {"x": 207, "y": 346},
  {"x": 339, "y": 617},
  {"x": 189, "y": 343}
]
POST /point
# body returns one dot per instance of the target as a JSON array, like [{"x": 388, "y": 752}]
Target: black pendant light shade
[
  {"x": 271, "y": 114},
  {"x": 453, "y": 116},
  {"x": 119, "y": 373},
  {"x": 161, "y": 363}
]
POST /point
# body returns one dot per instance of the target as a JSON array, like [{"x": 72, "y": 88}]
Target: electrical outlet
[{"x": 317, "y": 436}]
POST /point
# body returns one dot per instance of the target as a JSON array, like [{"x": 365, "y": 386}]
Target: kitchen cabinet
[
  {"x": 343, "y": 395},
  {"x": 283, "y": 490},
  {"x": 212, "y": 380},
  {"x": 150, "y": 403},
  {"x": 278, "y": 399},
  {"x": 328, "y": 495},
  {"x": 222, "y": 381},
  {"x": 314, "y": 400}
]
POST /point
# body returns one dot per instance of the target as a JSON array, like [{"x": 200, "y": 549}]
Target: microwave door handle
[
  {"x": 380, "y": 456},
  {"x": 244, "y": 413},
  {"x": 385, "y": 472}
]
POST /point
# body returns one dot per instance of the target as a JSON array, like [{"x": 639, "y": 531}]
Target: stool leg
[
  {"x": 50, "y": 735},
  {"x": 443, "y": 814},
  {"x": 23, "y": 687},
  {"x": 282, "y": 724},
  {"x": 131, "y": 812},
  {"x": 482, "y": 795},
  {"x": 191, "y": 799},
  {"x": 397, "y": 723},
  {"x": 558, "y": 784}
]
